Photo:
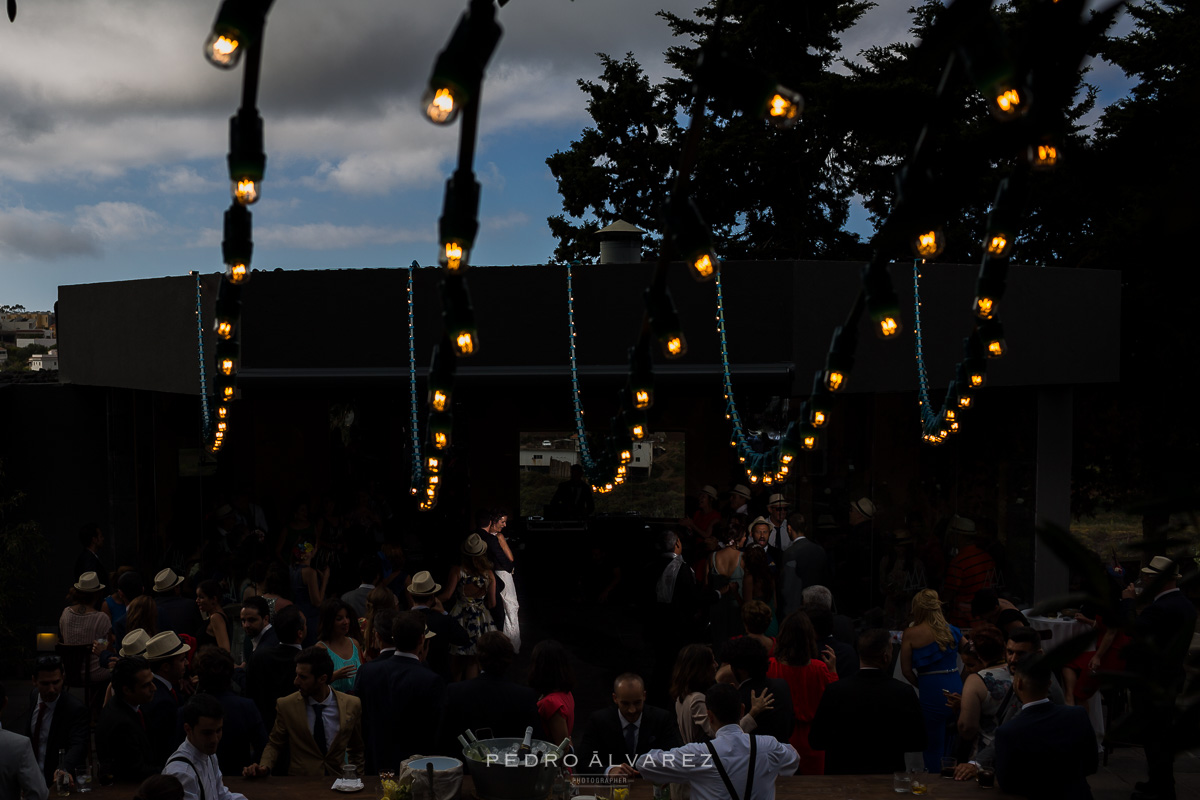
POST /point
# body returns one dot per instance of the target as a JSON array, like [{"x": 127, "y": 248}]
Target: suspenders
[
  {"x": 724, "y": 775},
  {"x": 199, "y": 782}
]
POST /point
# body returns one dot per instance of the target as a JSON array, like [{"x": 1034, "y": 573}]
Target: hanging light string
[
  {"x": 927, "y": 415},
  {"x": 585, "y": 453},
  {"x": 415, "y": 428},
  {"x": 205, "y": 409}
]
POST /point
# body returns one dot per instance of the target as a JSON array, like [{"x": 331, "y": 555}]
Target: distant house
[
  {"x": 44, "y": 361},
  {"x": 538, "y": 459},
  {"x": 3, "y": 355}
]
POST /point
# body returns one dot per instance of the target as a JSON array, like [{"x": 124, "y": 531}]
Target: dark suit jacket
[
  {"x": 603, "y": 741},
  {"x": 122, "y": 746},
  {"x": 242, "y": 676},
  {"x": 487, "y": 702},
  {"x": 272, "y": 675},
  {"x": 161, "y": 716},
  {"x": 245, "y": 735},
  {"x": 448, "y": 632},
  {"x": 802, "y": 564},
  {"x": 779, "y": 720},
  {"x": 866, "y": 723},
  {"x": 1163, "y": 634},
  {"x": 847, "y": 658},
  {"x": 68, "y": 731},
  {"x": 1047, "y": 751},
  {"x": 178, "y": 614}
]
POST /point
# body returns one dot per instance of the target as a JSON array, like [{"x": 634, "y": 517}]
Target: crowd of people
[{"x": 294, "y": 670}]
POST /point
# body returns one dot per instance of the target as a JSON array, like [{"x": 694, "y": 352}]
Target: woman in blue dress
[{"x": 929, "y": 661}]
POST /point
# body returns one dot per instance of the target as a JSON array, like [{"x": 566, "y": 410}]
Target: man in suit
[
  {"x": 257, "y": 632},
  {"x": 423, "y": 598},
  {"x": 625, "y": 730},
  {"x": 368, "y": 573},
  {"x": 91, "y": 538},
  {"x": 488, "y": 701},
  {"x": 175, "y": 612},
  {"x": 122, "y": 746},
  {"x": 413, "y": 692},
  {"x": 749, "y": 661},
  {"x": 19, "y": 773},
  {"x": 1162, "y": 635},
  {"x": 244, "y": 737},
  {"x": 867, "y": 722},
  {"x": 372, "y": 685},
  {"x": 168, "y": 659},
  {"x": 803, "y": 563},
  {"x": 676, "y": 603},
  {"x": 1047, "y": 750},
  {"x": 272, "y": 672},
  {"x": 321, "y": 727},
  {"x": 55, "y": 720}
]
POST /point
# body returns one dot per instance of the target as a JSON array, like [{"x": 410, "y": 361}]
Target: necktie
[
  {"x": 319, "y": 728},
  {"x": 174, "y": 695},
  {"x": 631, "y": 739},
  {"x": 37, "y": 731},
  {"x": 141, "y": 717}
]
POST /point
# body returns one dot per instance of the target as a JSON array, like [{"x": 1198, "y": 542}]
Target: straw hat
[
  {"x": 760, "y": 521},
  {"x": 778, "y": 500},
  {"x": 1159, "y": 565},
  {"x": 89, "y": 582},
  {"x": 134, "y": 643},
  {"x": 428, "y": 633},
  {"x": 902, "y": 537},
  {"x": 423, "y": 585},
  {"x": 711, "y": 491},
  {"x": 864, "y": 506},
  {"x": 163, "y": 646},
  {"x": 474, "y": 546},
  {"x": 741, "y": 491},
  {"x": 962, "y": 525},
  {"x": 166, "y": 580}
]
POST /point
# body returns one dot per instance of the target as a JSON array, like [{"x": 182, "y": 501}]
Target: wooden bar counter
[{"x": 846, "y": 787}]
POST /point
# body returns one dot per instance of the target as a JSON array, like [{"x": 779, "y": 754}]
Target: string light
[
  {"x": 458, "y": 71},
  {"x": 205, "y": 412}
]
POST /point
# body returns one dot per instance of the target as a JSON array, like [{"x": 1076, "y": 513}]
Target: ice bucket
[{"x": 510, "y": 779}]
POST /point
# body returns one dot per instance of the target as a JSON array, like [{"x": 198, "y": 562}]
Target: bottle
[
  {"x": 62, "y": 778},
  {"x": 526, "y": 746}
]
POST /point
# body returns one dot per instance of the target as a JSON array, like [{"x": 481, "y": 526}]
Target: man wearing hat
[
  {"x": 1162, "y": 635},
  {"x": 167, "y": 655},
  {"x": 423, "y": 599},
  {"x": 779, "y": 539},
  {"x": 414, "y": 692},
  {"x": 739, "y": 499},
  {"x": 175, "y": 612},
  {"x": 971, "y": 570},
  {"x": 760, "y": 533}
]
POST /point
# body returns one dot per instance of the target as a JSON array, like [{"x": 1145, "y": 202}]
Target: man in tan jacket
[{"x": 322, "y": 727}]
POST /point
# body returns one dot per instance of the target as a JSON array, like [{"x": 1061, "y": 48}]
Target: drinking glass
[
  {"x": 83, "y": 779},
  {"x": 901, "y": 782},
  {"x": 986, "y": 778},
  {"x": 948, "y": 765}
]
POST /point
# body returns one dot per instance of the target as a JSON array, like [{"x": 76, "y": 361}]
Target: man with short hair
[
  {"x": 122, "y": 745},
  {"x": 194, "y": 762},
  {"x": 91, "y": 539},
  {"x": 733, "y": 764},
  {"x": 820, "y": 597},
  {"x": 258, "y": 631},
  {"x": 414, "y": 692},
  {"x": 368, "y": 574},
  {"x": 493, "y": 522},
  {"x": 245, "y": 735},
  {"x": 272, "y": 672},
  {"x": 55, "y": 720},
  {"x": 168, "y": 658},
  {"x": 803, "y": 563},
  {"x": 423, "y": 598},
  {"x": 488, "y": 700},
  {"x": 748, "y": 659},
  {"x": 867, "y": 722},
  {"x": 779, "y": 538},
  {"x": 1047, "y": 750},
  {"x": 626, "y": 729},
  {"x": 19, "y": 773},
  {"x": 320, "y": 727}
]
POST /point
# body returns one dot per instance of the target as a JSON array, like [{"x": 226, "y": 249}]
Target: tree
[{"x": 765, "y": 193}]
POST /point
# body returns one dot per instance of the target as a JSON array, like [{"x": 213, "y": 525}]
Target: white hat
[
  {"x": 134, "y": 643},
  {"x": 88, "y": 582},
  {"x": 165, "y": 645},
  {"x": 1160, "y": 565},
  {"x": 709, "y": 490},
  {"x": 741, "y": 491},
  {"x": 778, "y": 499},
  {"x": 760, "y": 521},
  {"x": 423, "y": 584},
  {"x": 864, "y": 506},
  {"x": 166, "y": 580},
  {"x": 962, "y": 525},
  {"x": 474, "y": 546}
]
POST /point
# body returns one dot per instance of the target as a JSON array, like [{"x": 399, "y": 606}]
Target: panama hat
[
  {"x": 778, "y": 499},
  {"x": 474, "y": 546},
  {"x": 1160, "y": 565},
  {"x": 423, "y": 584},
  {"x": 88, "y": 582},
  {"x": 760, "y": 521},
  {"x": 741, "y": 491},
  {"x": 134, "y": 643},
  {"x": 709, "y": 490},
  {"x": 864, "y": 506},
  {"x": 165, "y": 645},
  {"x": 962, "y": 525},
  {"x": 166, "y": 580}
]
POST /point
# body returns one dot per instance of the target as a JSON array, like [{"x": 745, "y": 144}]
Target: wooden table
[{"x": 847, "y": 787}]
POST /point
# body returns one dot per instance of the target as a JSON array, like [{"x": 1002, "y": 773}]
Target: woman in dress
[
  {"x": 379, "y": 598},
  {"x": 550, "y": 675},
  {"x": 929, "y": 661},
  {"x": 702, "y": 519},
  {"x": 308, "y": 587},
  {"x": 338, "y": 633},
  {"x": 759, "y": 584},
  {"x": 725, "y": 576},
  {"x": 807, "y": 669},
  {"x": 81, "y": 623},
  {"x": 277, "y": 588},
  {"x": 472, "y": 586},
  {"x": 208, "y": 600},
  {"x": 984, "y": 690},
  {"x": 758, "y": 618}
]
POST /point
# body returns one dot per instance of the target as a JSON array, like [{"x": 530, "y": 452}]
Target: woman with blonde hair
[{"x": 929, "y": 661}]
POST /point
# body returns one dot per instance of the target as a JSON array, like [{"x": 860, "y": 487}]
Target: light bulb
[
  {"x": 223, "y": 49},
  {"x": 984, "y": 307},
  {"x": 783, "y": 471},
  {"x": 991, "y": 333},
  {"x": 438, "y": 400},
  {"x": 244, "y": 190},
  {"x": 222, "y": 426},
  {"x": 227, "y": 392},
  {"x": 675, "y": 346},
  {"x": 226, "y": 366},
  {"x": 465, "y": 343},
  {"x": 441, "y": 440},
  {"x": 809, "y": 441},
  {"x": 964, "y": 401},
  {"x": 626, "y": 456},
  {"x": 638, "y": 431},
  {"x": 784, "y": 107},
  {"x": 954, "y": 426},
  {"x": 888, "y": 327},
  {"x": 818, "y": 419},
  {"x": 432, "y": 463},
  {"x": 441, "y": 107},
  {"x": 618, "y": 480},
  {"x": 224, "y": 328},
  {"x": 608, "y": 487},
  {"x": 641, "y": 399},
  {"x": 622, "y": 469},
  {"x": 222, "y": 412},
  {"x": 929, "y": 243},
  {"x": 753, "y": 478},
  {"x": 1009, "y": 103},
  {"x": 998, "y": 245},
  {"x": 949, "y": 414},
  {"x": 219, "y": 436},
  {"x": 767, "y": 480},
  {"x": 237, "y": 273},
  {"x": 434, "y": 480},
  {"x": 977, "y": 379},
  {"x": 454, "y": 256},
  {"x": 1042, "y": 156},
  {"x": 704, "y": 266},
  {"x": 834, "y": 380}
]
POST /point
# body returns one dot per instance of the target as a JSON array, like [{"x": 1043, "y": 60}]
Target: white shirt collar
[
  {"x": 728, "y": 730},
  {"x": 163, "y": 681},
  {"x": 51, "y": 706},
  {"x": 366, "y": 586},
  {"x": 328, "y": 700},
  {"x": 1035, "y": 703},
  {"x": 402, "y": 654},
  {"x": 1168, "y": 591}
]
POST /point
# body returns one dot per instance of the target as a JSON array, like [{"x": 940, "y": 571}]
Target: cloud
[
  {"x": 513, "y": 219},
  {"x": 328, "y": 236},
  {"x": 181, "y": 179},
  {"x": 43, "y": 235},
  {"x": 110, "y": 222}
]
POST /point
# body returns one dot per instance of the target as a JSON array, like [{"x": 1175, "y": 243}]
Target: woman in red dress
[{"x": 807, "y": 670}]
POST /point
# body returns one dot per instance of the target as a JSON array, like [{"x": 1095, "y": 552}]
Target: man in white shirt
[
  {"x": 19, "y": 771},
  {"x": 733, "y": 765},
  {"x": 194, "y": 762}
]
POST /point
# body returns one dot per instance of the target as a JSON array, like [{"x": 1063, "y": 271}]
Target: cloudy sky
[{"x": 114, "y": 130}]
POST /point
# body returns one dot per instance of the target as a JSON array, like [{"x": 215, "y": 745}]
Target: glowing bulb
[
  {"x": 219, "y": 435},
  {"x": 995, "y": 348},
  {"x": 676, "y": 346},
  {"x": 454, "y": 256},
  {"x": 1043, "y": 156},
  {"x": 431, "y": 463},
  {"x": 440, "y": 106},
  {"x": 465, "y": 342},
  {"x": 949, "y": 414},
  {"x": 977, "y": 379},
  {"x": 222, "y": 412},
  {"x": 626, "y": 456},
  {"x": 783, "y": 470},
  {"x": 245, "y": 191},
  {"x": 638, "y": 431},
  {"x": 622, "y": 469},
  {"x": 985, "y": 307},
  {"x": 786, "y": 458},
  {"x": 954, "y": 426},
  {"x": 818, "y": 419},
  {"x": 809, "y": 442},
  {"x": 222, "y": 51},
  {"x": 433, "y": 480},
  {"x": 222, "y": 426},
  {"x": 753, "y": 478},
  {"x": 641, "y": 399},
  {"x": 237, "y": 273},
  {"x": 438, "y": 401},
  {"x": 1010, "y": 102},
  {"x": 619, "y": 480},
  {"x": 767, "y": 479},
  {"x": 784, "y": 107},
  {"x": 227, "y": 392},
  {"x": 226, "y": 366},
  {"x": 888, "y": 327},
  {"x": 608, "y": 487},
  {"x": 225, "y": 329},
  {"x": 998, "y": 245},
  {"x": 704, "y": 267},
  {"x": 964, "y": 400},
  {"x": 835, "y": 379},
  {"x": 929, "y": 243},
  {"x": 440, "y": 440}
]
